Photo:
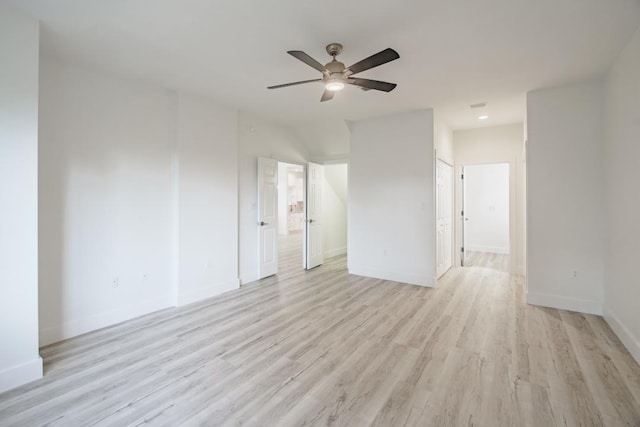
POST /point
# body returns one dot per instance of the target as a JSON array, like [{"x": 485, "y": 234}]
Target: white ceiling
[{"x": 452, "y": 53}]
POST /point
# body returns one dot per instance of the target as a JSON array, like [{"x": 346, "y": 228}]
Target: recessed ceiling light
[{"x": 483, "y": 117}]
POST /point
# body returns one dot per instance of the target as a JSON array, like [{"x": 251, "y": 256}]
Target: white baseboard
[
  {"x": 249, "y": 277},
  {"x": 393, "y": 275},
  {"x": 18, "y": 375},
  {"x": 565, "y": 303},
  {"x": 208, "y": 291},
  {"x": 335, "y": 252},
  {"x": 91, "y": 323},
  {"x": 490, "y": 249},
  {"x": 628, "y": 339}
]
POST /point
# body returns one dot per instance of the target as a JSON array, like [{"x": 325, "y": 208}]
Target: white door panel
[
  {"x": 444, "y": 233},
  {"x": 313, "y": 225},
  {"x": 268, "y": 217}
]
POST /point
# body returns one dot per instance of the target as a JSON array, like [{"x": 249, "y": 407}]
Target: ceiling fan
[{"x": 335, "y": 75}]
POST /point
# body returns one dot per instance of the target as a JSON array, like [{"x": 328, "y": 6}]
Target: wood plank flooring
[
  {"x": 487, "y": 260},
  {"x": 322, "y": 347}
]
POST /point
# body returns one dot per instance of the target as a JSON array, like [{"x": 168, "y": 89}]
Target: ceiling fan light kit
[
  {"x": 334, "y": 85},
  {"x": 335, "y": 75}
]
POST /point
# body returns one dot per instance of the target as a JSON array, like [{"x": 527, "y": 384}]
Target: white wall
[
  {"x": 334, "y": 216},
  {"x": 487, "y": 208},
  {"x": 443, "y": 139},
  {"x": 258, "y": 138},
  {"x": 19, "y": 358},
  {"x": 106, "y": 150},
  {"x": 391, "y": 198},
  {"x": 326, "y": 141},
  {"x": 208, "y": 199},
  {"x": 565, "y": 197},
  {"x": 622, "y": 163},
  {"x": 138, "y": 200},
  {"x": 498, "y": 144}
]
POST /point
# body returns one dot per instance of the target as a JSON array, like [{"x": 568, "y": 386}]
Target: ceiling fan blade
[
  {"x": 327, "y": 95},
  {"x": 307, "y": 60},
  {"x": 371, "y": 84},
  {"x": 379, "y": 58},
  {"x": 294, "y": 83}
]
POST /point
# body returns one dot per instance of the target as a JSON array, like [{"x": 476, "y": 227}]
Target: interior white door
[
  {"x": 268, "y": 217},
  {"x": 313, "y": 225},
  {"x": 444, "y": 232}
]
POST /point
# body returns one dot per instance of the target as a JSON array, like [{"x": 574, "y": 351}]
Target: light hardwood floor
[
  {"x": 290, "y": 253},
  {"x": 326, "y": 348},
  {"x": 487, "y": 260}
]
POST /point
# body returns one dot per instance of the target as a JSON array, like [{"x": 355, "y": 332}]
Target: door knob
[{"x": 261, "y": 223}]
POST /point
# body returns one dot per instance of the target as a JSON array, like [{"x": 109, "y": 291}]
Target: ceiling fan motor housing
[
  {"x": 334, "y": 49},
  {"x": 335, "y": 67}
]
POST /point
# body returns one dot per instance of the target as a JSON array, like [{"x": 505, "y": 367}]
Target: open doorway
[
  {"x": 291, "y": 217},
  {"x": 485, "y": 216},
  {"x": 312, "y": 215},
  {"x": 302, "y": 215}
]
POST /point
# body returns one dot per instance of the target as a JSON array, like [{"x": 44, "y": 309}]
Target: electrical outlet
[
  {"x": 116, "y": 282},
  {"x": 574, "y": 274}
]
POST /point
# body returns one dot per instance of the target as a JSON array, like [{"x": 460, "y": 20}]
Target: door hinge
[
  {"x": 461, "y": 213},
  {"x": 462, "y": 249},
  {"x": 462, "y": 176}
]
